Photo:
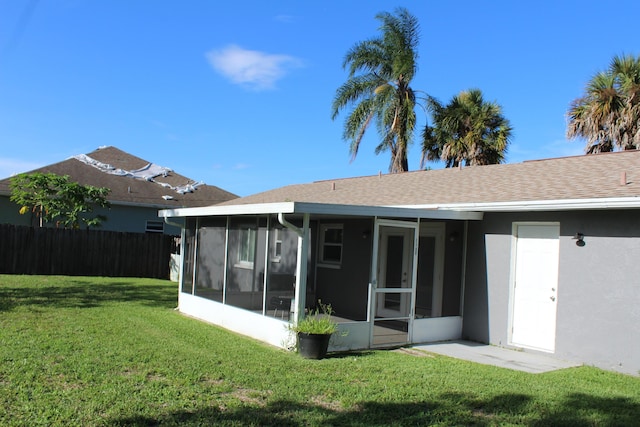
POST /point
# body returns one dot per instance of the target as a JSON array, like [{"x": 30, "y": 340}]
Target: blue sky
[{"x": 238, "y": 94}]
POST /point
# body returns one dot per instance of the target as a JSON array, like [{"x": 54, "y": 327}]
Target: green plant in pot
[{"x": 314, "y": 332}]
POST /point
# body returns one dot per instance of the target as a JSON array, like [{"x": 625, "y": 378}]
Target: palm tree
[
  {"x": 378, "y": 87},
  {"x": 468, "y": 130},
  {"x": 608, "y": 114},
  {"x": 627, "y": 70}
]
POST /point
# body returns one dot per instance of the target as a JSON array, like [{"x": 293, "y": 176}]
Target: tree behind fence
[{"x": 54, "y": 251}]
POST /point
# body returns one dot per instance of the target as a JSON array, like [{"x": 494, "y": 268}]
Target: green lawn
[{"x": 104, "y": 351}]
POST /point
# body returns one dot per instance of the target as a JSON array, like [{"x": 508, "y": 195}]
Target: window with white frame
[
  {"x": 276, "y": 251},
  {"x": 331, "y": 244},
  {"x": 247, "y": 246}
]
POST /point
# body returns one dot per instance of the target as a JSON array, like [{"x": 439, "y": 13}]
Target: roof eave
[
  {"x": 322, "y": 209},
  {"x": 541, "y": 205}
]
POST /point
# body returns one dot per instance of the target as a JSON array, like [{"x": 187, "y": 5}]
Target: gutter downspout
[
  {"x": 175, "y": 224},
  {"x": 301, "y": 264},
  {"x": 287, "y": 224}
]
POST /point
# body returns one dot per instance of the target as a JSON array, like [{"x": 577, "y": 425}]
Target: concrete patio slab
[{"x": 497, "y": 356}]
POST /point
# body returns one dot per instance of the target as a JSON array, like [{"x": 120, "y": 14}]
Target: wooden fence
[{"x": 54, "y": 251}]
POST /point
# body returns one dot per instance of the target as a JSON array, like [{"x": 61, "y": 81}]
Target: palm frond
[
  {"x": 354, "y": 89},
  {"x": 364, "y": 56},
  {"x": 607, "y": 115},
  {"x": 382, "y": 91},
  {"x": 468, "y": 130}
]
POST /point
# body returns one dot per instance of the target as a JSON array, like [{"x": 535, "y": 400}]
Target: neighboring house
[
  {"x": 138, "y": 190},
  {"x": 541, "y": 255}
]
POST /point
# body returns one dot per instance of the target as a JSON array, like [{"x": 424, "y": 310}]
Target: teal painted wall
[
  {"x": 119, "y": 218},
  {"x": 9, "y": 213}
]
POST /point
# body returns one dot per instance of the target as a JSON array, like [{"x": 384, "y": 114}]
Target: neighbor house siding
[
  {"x": 132, "y": 219},
  {"x": 9, "y": 213},
  {"x": 598, "y": 287},
  {"x": 128, "y": 219}
]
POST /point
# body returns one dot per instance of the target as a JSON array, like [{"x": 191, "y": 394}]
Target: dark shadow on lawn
[
  {"x": 84, "y": 294},
  {"x": 449, "y": 409}
]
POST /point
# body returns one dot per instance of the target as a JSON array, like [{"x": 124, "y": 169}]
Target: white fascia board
[
  {"x": 249, "y": 209},
  {"x": 321, "y": 209},
  {"x": 541, "y": 205},
  {"x": 384, "y": 211}
]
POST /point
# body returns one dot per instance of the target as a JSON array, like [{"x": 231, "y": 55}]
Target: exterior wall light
[{"x": 579, "y": 238}]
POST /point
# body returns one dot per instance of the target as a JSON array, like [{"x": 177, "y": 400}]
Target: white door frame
[
  {"x": 374, "y": 286},
  {"x": 552, "y": 291},
  {"x": 383, "y": 250}
]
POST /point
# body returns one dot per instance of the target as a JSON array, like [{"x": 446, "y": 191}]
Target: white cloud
[
  {"x": 241, "y": 166},
  {"x": 158, "y": 123},
  {"x": 251, "y": 68},
  {"x": 287, "y": 19},
  {"x": 10, "y": 167}
]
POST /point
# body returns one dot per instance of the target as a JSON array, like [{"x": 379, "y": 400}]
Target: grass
[{"x": 114, "y": 352}]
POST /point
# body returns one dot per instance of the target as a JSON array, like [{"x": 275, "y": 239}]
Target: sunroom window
[
  {"x": 247, "y": 247},
  {"x": 331, "y": 244},
  {"x": 276, "y": 253}
]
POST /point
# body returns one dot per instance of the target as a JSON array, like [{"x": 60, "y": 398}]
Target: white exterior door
[{"x": 534, "y": 288}]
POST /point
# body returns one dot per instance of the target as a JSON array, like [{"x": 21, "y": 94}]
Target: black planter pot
[{"x": 313, "y": 346}]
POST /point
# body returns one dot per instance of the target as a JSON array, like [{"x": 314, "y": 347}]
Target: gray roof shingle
[
  {"x": 130, "y": 190},
  {"x": 579, "y": 177}
]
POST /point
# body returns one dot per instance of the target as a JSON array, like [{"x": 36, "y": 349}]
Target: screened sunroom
[{"x": 392, "y": 276}]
